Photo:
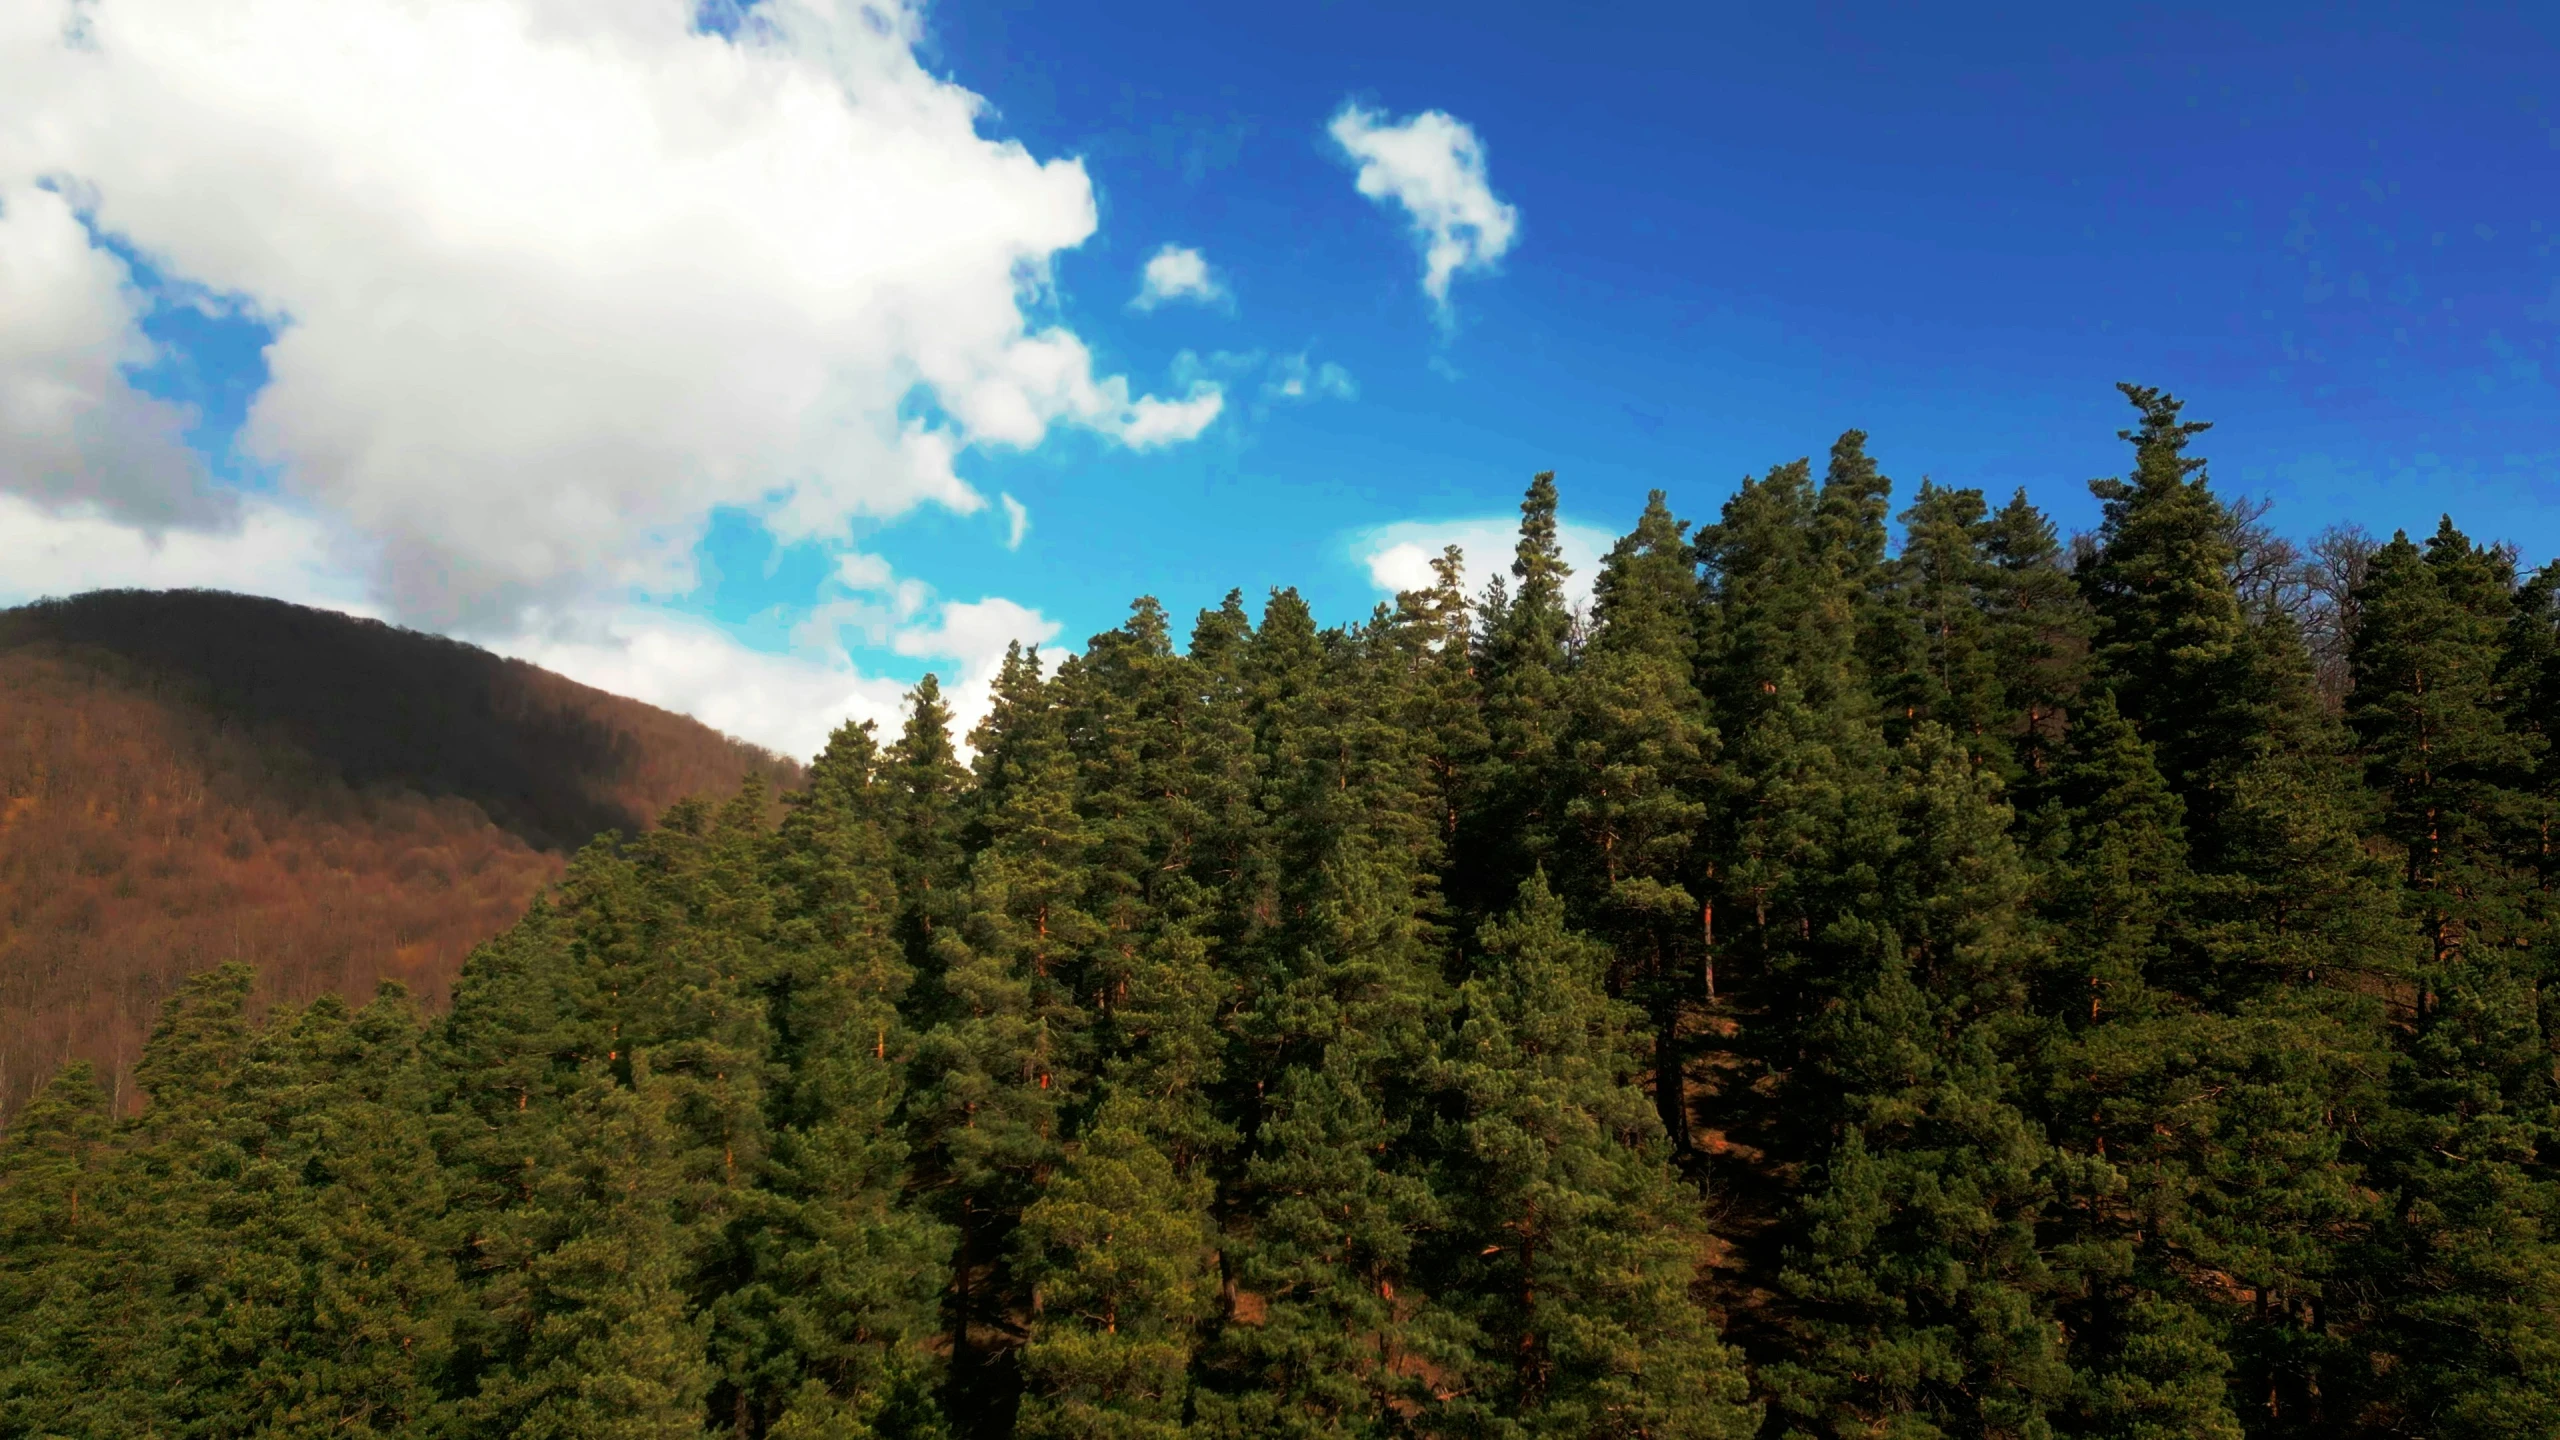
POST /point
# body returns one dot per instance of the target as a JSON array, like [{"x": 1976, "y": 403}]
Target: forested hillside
[
  {"x": 188, "y": 778},
  {"x": 1979, "y": 988}
]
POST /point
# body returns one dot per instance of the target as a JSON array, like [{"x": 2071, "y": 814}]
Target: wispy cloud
[
  {"x": 1433, "y": 167},
  {"x": 1153, "y": 422},
  {"x": 1017, "y": 520},
  {"x": 1294, "y": 377}
]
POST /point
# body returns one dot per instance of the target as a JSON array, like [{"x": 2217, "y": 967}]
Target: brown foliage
[{"x": 192, "y": 777}]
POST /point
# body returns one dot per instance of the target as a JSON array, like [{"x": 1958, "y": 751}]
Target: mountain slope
[{"x": 190, "y": 777}]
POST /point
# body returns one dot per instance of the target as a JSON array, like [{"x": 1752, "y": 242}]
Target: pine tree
[
  {"x": 1928, "y": 1304},
  {"x": 1981, "y": 629},
  {"x": 1798, "y": 816},
  {"x": 828, "y": 1325},
  {"x": 1523, "y": 664},
  {"x": 1329, "y": 1331},
  {"x": 1638, "y": 751},
  {"x": 1575, "y": 1246},
  {"x": 2291, "y": 926},
  {"x": 686, "y": 945},
  {"x": 588, "y": 1278},
  {"x": 60, "y": 1199},
  {"x": 995, "y": 1079},
  {"x": 263, "y": 1253},
  {"x": 2170, "y": 638},
  {"x": 1443, "y": 704},
  {"x": 1119, "y": 1248},
  {"x": 2468, "y": 1277},
  {"x": 1119, "y": 1253},
  {"x": 1218, "y": 817},
  {"x": 1849, "y": 530},
  {"x": 153, "y": 1328},
  {"x": 925, "y": 785},
  {"x": 2038, "y": 633},
  {"x": 349, "y": 1282},
  {"x": 2428, "y": 710},
  {"x": 2119, "y": 1092},
  {"x": 1932, "y": 647},
  {"x": 55, "y": 1148}
]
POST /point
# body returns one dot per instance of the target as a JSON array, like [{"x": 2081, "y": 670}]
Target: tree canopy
[{"x": 1832, "y": 985}]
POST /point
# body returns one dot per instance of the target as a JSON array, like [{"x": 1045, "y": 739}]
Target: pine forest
[{"x": 1880, "y": 968}]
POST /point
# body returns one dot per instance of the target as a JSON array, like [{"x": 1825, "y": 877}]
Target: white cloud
[
  {"x": 790, "y": 701},
  {"x": 269, "y": 549},
  {"x": 975, "y": 634},
  {"x": 1153, "y": 423},
  {"x": 74, "y": 433},
  {"x": 1433, "y": 166},
  {"x": 1017, "y": 521},
  {"x": 1398, "y": 556},
  {"x": 787, "y": 703},
  {"x": 1177, "y": 272},
  {"x": 876, "y": 604},
  {"x": 554, "y": 278},
  {"x": 859, "y": 571}
]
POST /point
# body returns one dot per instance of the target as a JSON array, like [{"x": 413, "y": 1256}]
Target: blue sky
[
  {"x": 1739, "y": 231},
  {"x": 1741, "y": 235}
]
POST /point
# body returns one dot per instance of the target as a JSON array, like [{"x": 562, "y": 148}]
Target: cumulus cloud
[
  {"x": 1177, "y": 272},
  {"x": 74, "y": 432},
  {"x": 974, "y": 635},
  {"x": 1433, "y": 167},
  {"x": 551, "y": 278},
  {"x": 1398, "y": 556}
]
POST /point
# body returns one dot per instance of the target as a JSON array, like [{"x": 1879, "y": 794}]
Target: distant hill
[{"x": 189, "y": 777}]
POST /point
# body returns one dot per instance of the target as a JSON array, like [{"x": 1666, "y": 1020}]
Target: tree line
[{"x": 1982, "y": 987}]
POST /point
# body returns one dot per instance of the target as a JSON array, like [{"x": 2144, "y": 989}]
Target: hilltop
[{"x": 189, "y": 777}]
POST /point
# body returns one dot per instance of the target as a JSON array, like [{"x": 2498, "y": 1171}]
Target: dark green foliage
[
  {"x": 2469, "y": 1304},
  {"x": 1521, "y": 666},
  {"x": 1981, "y": 631},
  {"x": 1798, "y": 817},
  {"x": 264, "y": 1258},
  {"x": 1928, "y": 1305},
  {"x": 1638, "y": 754},
  {"x": 1122, "y": 1262},
  {"x": 2171, "y": 641},
  {"x": 995, "y": 1078},
  {"x": 923, "y": 789},
  {"x": 588, "y": 1278},
  {"x": 1573, "y": 1245},
  {"x": 2119, "y": 1090},
  {"x": 836, "y": 1280},
  {"x": 1826, "y": 989}
]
